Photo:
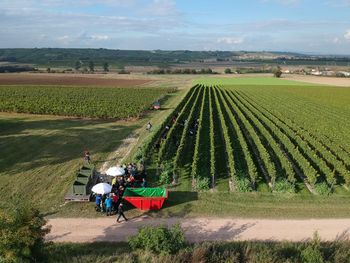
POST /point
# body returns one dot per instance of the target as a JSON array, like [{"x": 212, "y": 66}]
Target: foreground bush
[
  {"x": 159, "y": 239},
  {"x": 21, "y": 231},
  {"x": 240, "y": 252}
]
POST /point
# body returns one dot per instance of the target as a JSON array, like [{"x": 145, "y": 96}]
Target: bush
[
  {"x": 284, "y": 186},
  {"x": 202, "y": 184},
  {"x": 166, "y": 175},
  {"x": 312, "y": 253},
  {"x": 322, "y": 189},
  {"x": 159, "y": 239},
  {"x": 22, "y": 233},
  {"x": 243, "y": 185}
]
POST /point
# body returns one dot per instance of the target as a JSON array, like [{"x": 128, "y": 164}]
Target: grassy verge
[
  {"x": 310, "y": 251},
  {"x": 225, "y": 204}
]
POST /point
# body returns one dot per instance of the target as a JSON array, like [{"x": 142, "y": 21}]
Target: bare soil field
[
  {"x": 69, "y": 80},
  {"x": 343, "y": 82}
]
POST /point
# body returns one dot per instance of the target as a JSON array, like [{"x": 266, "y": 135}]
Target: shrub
[
  {"x": 312, "y": 253},
  {"x": 22, "y": 233},
  {"x": 243, "y": 185},
  {"x": 202, "y": 184},
  {"x": 284, "y": 186},
  {"x": 166, "y": 175},
  {"x": 159, "y": 239},
  {"x": 322, "y": 189}
]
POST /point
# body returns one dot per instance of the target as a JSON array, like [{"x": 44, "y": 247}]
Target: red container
[{"x": 141, "y": 200}]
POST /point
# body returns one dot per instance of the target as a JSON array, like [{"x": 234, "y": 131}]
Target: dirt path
[
  {"x": 199, "y": 229},
  {"x": 118, "y": 156}
]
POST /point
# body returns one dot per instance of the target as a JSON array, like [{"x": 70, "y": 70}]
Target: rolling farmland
[{"x": 272, "y": 138}]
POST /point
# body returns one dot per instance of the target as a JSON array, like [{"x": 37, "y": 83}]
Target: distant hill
[{"x": 55, "y": 57}]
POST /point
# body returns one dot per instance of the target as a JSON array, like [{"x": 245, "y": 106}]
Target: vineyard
[
  {"x": 243, "y": 138},
  {"x": 79, "y": 101}
]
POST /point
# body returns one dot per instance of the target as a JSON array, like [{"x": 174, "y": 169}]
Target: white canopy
[
  {"x": 115, "y": 171},
  {"x": 102, "y": 188}
]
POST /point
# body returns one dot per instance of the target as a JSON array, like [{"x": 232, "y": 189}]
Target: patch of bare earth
[
  {"x": 69, "y": 80},
  {"x": 81, "y": 230},
  {"x": 342, "y": 82}
]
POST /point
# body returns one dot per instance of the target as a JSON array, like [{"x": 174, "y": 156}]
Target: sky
[{"x": 309, "y": 26}]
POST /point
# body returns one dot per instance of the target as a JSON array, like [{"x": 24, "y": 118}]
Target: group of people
[
  {"x": 135, "y": 176},
  {"x": 192, "y": 129},
  {"x": 111, "y": 203}
]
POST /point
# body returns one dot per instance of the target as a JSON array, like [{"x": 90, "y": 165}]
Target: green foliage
[
  {"x": 277, "y": 72},
  {"x": 322, "y": 188},
  {"x": 257, "y": 138},
  {"x": 166, "y": 175},
  {"x": 228, "y": 71},
  {"x": 284, "y": 186},
  {"x": 159, "y": 239},
  {"x": 21, "y": 231},
  {"x": 91, "y": 66},
  {"x": 79, "y": 101},
  {"x": 105, "y": 67},
  {"x": 78, "y": 65},
  {"x": 243, "y": 185},
  {"x": 312, "y": 253},
  {"x": 202, "y": 184}
]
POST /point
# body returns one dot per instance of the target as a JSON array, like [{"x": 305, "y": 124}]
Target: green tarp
[{"x": 145, "y": 192}]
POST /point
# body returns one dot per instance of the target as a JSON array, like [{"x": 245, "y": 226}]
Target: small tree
[
  {"x": 105, "y": 67},
  {"x": 21, "y": 231},
  {"x": 91, "y": 66},
  {"x": 228, "y": 71},
  {"x": 278, "y": 72},
  {"x": 78, "y": 65}
]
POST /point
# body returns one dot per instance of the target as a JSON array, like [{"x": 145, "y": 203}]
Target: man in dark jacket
[{"x": 121, "y": 213}]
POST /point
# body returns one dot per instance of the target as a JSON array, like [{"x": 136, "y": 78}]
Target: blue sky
[{"x": 281, "y": 25}]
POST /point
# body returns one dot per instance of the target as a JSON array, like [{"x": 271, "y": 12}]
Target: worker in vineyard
[
  {"x": 87, "y": 156},
  {"x": 149, "y": 126}
]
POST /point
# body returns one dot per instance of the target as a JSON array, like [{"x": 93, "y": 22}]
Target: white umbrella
[
  {"x": 102, "y": 188},
  {"x": 115, "y": 171}
]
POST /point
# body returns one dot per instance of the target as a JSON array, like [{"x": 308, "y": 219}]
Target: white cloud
[
  {"x": 230, "y": 40},
  {"x": 100, "y": 37},
  {"x": 347, "y": 35}
]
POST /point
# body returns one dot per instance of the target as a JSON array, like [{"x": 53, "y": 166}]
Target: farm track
[{"x": 81, "y": 230}]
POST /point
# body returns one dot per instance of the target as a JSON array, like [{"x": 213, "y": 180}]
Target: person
[
  {"x": 103, "y": 203},
  {"x": 87, "y": 157},
  {"x": 149, "y": 126},
  {"x": 114, "y": 180},
  {"x": 115, "y": 200},
  {"x": 144, "y": 183},
  {"x": 98, "y": 202},
  {"x": 109, "y": 205},
  {"x": 121, "y": 213}
]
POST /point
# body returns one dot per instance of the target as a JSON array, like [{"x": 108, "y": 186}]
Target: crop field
[
  {"x": 103, "y": 102},
  {"x": 270, "y": 138}
]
